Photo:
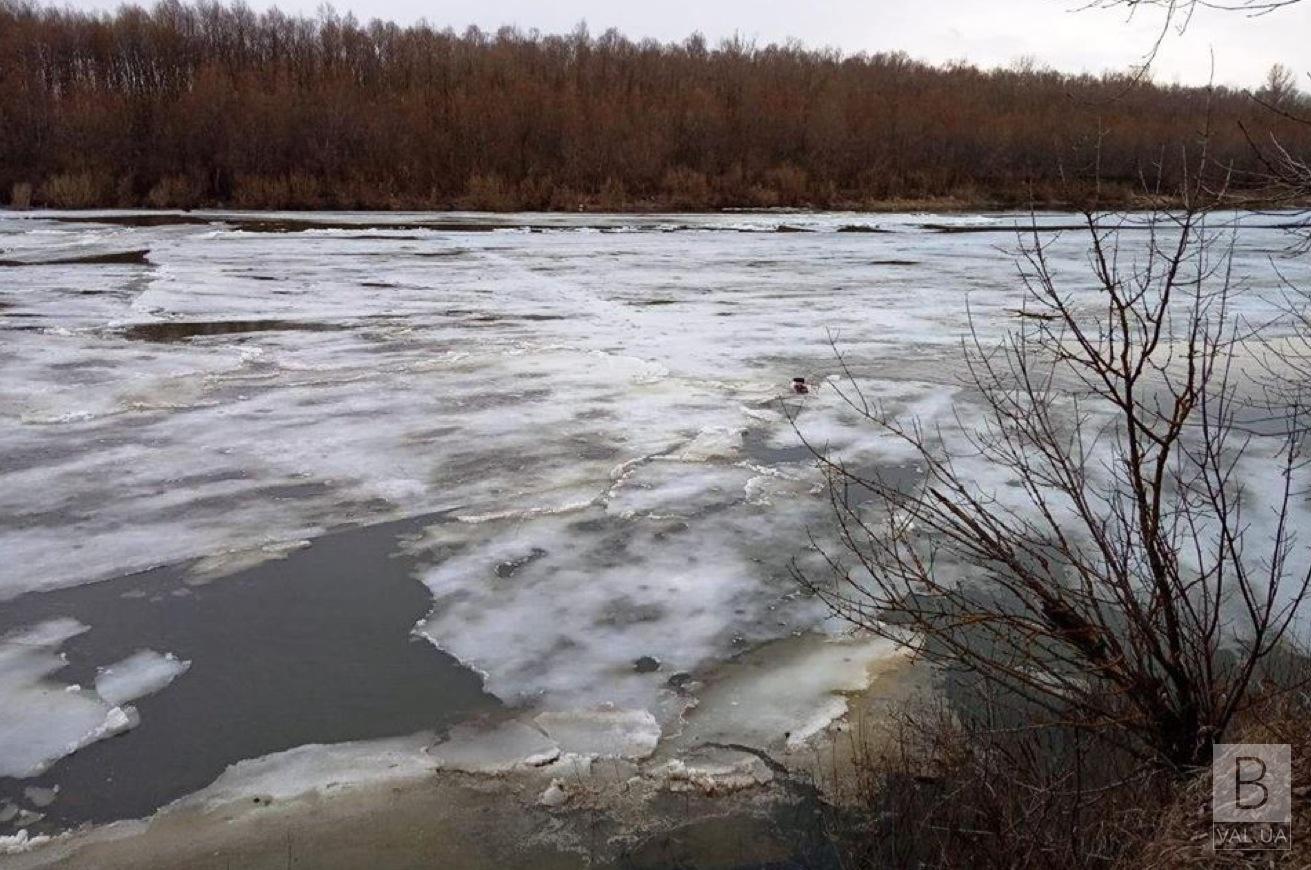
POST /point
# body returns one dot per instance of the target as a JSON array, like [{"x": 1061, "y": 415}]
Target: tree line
[{"x": 187, "y": 105}]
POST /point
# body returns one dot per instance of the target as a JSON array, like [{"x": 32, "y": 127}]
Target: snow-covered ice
[
  {"x": 631, "y": 734},
  {"x": 597, "y": 414},
  {"x": 294, "y": 772}
]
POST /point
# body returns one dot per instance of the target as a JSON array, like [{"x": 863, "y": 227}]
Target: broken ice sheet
[
  {"x": 499, "y": 378},
  {"x": 142, "y": 673},
  {"x": 675, "y": 489},
  {"x": 601, "y": 591},
  {"x": 42, "y": 720}
]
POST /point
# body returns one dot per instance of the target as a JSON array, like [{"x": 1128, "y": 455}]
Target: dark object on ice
[
  {"x": 799, "y": 385},
  {"x": 509, "y": 567},
  {"x": 116, "y": 258},
  {"x": 679, "y": 680},
  {"x": 181, "y": 330},
  {"x": 646, "y": 665}
]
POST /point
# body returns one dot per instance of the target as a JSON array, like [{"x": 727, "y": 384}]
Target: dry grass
[
  {"x": 920, "y": 786},
  {"x": 20, "y": 195},
  {"x": 927, "y": 789},
  {"x": 175, "y": 191},
  {"x": 294, "y": 191},
  {"x": 77, "y": 190},
  {"x": 1182, "y": 837}
]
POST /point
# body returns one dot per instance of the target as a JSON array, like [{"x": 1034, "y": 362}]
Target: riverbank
[{"x": 1109, "y": 197}]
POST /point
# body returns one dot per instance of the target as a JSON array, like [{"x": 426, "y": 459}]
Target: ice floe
[
  {"x": 42, "y": 720},
  {"x": 142, "y": 673}
]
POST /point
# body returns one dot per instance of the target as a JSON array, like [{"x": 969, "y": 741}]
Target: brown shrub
[
  {"x": 950, "y": 773},
  {"x": 790, "y": 183},
  {"x": 535, "y": 193},
  {"x": 1182, "y": 837},
  {"x": 931, "y": 787},
  {"x": 20, "y": 195},
  {"x": 295, "y": 191},
  {"x": 566, "y": 199},
  {"x": 174, "y": 191},
  {"x": 489, "y": 193},
  {"x": 686, "y": 188},
  {"x": 415, "y": 110},
  {"x": 613, "y": 196},
  {"x": 77, "y": 190}
]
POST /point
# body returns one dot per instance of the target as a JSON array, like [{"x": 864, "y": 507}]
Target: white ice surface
[
  {"x": 476, "y": 749},
  {"x": 595, "y": 416},
  {"x": 630, "y": 734},
  {"x": 142, "y": 673},
  {"x": 787, "y": 697},
  {"x": 318, "y": 767},
  {"x": 16, "y": 844}
]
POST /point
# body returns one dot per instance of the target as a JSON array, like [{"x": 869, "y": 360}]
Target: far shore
[{"x": 954, "y": 204}]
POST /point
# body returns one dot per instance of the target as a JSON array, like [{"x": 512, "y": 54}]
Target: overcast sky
[{"x": 987, "y": 32}]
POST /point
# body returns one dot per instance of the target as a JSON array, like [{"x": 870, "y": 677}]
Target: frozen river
[{"x": 276, "y": 480}]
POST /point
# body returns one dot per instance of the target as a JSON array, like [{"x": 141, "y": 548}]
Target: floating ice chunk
[
  {"x": 142, "y": 673},
  {"x": 41, "y": 797},
  {"x": 39, "y": 721},
  {"x": 117, "y": 720},
  {"x": 581, "y": 499},
  {"x": 45, "y": 635},
  {"x": 42, "y": 720},
  {"x": 239, "y": 559},
  {"x": 825, "y": 713},
  {"x": 631, "y": 734}
]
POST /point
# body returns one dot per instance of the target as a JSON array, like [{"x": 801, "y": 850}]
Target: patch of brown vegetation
[{"x": 182, "y": 106}]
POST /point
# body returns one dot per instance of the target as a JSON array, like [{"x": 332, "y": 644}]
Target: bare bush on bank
[
  {"x": 935, "y": 785},
  {"x": 1112, "y": 543},
  {"x": 936, "y": 789},
  {"x": 1101, "y": 561}
]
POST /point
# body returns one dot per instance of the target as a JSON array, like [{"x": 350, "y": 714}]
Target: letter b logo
[
  {"x": 1252, "y": 782},
  {"x": 1250, "y": 792}
]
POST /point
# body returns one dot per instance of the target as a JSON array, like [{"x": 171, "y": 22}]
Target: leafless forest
[{"x": 208, "y": 104}]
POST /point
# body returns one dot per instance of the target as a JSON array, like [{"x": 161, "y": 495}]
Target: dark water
[
  {"x": 314, "y": 648},
  {"x": 175, "y": 330},
  {"x": 108, "y": 258}
]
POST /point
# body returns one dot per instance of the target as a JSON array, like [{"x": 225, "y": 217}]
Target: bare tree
[
  {"x": 1176, "y": 15},
  {"x": 1128, "y": 576},
  {"x": 1280, "y": 85},
  {"x": 1187, "y": 7}
]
